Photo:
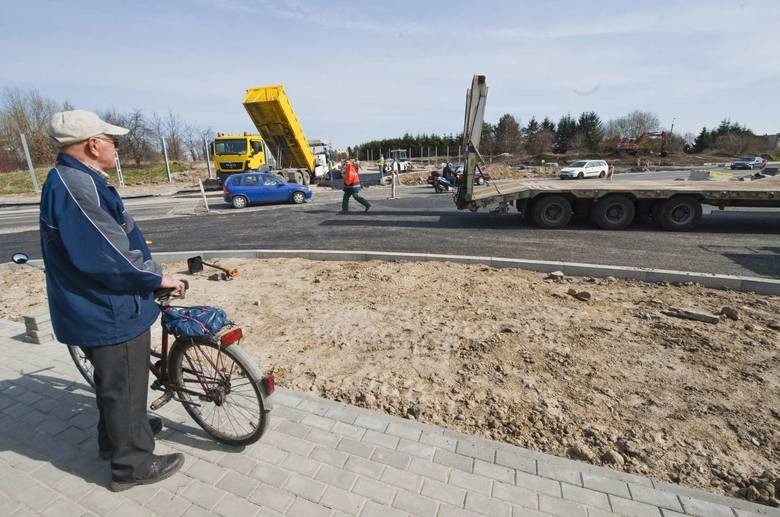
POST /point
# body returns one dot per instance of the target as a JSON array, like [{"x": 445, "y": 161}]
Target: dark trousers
[
  {"x": 122, "y": 382},
  {"x": 352, "y": 192}
]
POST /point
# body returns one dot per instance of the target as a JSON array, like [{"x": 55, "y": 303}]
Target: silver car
[{"x": 584, "y": 169}]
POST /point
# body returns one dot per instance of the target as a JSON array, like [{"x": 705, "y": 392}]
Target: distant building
[{"x": 774, "y": 141}]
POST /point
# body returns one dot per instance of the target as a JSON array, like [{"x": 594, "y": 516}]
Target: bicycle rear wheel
[
  {"x": 83, "y": 364},
  {"x": 224, "y": 390}
]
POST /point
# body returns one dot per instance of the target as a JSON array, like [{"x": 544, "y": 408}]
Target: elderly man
[{"x": 100, "y": 280}]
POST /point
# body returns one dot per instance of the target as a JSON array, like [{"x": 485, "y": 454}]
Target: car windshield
[
  {"x": 577, "y": 164},
  {"x": 236, "y": 146}
]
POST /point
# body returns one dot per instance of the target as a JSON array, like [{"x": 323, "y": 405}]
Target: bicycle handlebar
[{"x": 165, "y": 294}]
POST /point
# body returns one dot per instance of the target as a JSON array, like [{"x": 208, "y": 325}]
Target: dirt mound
[{"x": 593, "y": 369}]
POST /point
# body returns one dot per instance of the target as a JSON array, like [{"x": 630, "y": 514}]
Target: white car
[{"x": 584, "y": 169}]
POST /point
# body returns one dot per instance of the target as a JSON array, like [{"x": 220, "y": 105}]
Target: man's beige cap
[{"x": 71, "y": 127}]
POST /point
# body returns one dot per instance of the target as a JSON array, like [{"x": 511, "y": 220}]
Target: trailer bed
[{"x": 711, "y": 192}]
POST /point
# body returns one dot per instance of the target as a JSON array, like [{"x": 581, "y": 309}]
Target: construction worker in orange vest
[{"x": 352, "y": 187}]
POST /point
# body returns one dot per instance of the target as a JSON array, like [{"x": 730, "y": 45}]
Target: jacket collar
[{"x": 69, "y": 161}]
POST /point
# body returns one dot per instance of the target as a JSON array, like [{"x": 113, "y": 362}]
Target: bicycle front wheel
[
  {"x": 220, "y": 389},
  {"x": 83, "y": 364}
]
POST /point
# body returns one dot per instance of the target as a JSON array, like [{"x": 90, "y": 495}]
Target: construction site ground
[{"x": 592, "y": 369}]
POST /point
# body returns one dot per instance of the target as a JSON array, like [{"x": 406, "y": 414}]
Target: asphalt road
[{"x": 739, "y": 242}]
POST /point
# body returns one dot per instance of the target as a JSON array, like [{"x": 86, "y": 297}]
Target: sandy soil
[{"x": 510, "y": 355}]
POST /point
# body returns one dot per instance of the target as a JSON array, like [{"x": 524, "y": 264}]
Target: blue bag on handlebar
[{"x": 199, "y": 321}]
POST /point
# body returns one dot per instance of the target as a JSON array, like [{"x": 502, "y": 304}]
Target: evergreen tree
[
  {"x": 703, "y": 141},
  {"x": 590, "y": 127},
  {"x": 507, "y": 134},
  {"x": 532, "y": 136},
  {"x": 565, "y": 132}
]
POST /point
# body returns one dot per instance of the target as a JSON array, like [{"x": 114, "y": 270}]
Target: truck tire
[
  {"x": 613, "y": 212},
  {"x": 551, "y": 212},
  {"x": 679, "y": 214}
]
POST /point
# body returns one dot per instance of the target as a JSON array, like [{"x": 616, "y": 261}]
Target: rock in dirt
[
  {"x": 730, "y": 313},
  {"x": 691, "y": 314},
  {"x": 555, "y": 275},
  {"x": 582, "y": 296},
  {"x": 580, "y": 452},
  {"x": 612, "y": 457},
  {"x": 774, "y": 325},
  {"x": 413, "y": 410}
]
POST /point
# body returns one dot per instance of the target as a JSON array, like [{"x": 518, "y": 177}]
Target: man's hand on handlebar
[{"x": 178, "y": 283}]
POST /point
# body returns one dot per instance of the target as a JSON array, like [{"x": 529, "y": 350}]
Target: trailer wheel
[
  {"x": 613, "y": 212},
  {"x": 551, "y": 212},
  {"x": 679, "y": 214}
]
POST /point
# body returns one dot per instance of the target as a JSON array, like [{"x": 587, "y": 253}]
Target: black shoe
[
  {"x": 367, "y": 207},
  {"x": 155, "y": 422},
  {"x": 162, "y": 467}
]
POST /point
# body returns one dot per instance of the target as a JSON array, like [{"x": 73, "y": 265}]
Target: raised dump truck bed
[
  {"x": 675, "y": 205},
  {"x": 273, "y": 116}
]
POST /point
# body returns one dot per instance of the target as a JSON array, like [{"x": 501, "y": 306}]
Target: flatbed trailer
[{"x": 612, "y": 205}]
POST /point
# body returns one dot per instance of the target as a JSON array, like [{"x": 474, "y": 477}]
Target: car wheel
[
  {"x": 603, "y": 174},
  {"x": 613, "y": 212},
  {"x": 480, "y": 181},
  {"x": 551, "y": 212},
  {"x": 239, "y": 202},
  {"x": 298, "y": 197},
  {"x": 581, "y": 175}
]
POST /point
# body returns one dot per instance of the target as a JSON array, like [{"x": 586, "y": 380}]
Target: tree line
[
  {"x": 28, "y": 112},
  {"x": 587, "y": 132}
]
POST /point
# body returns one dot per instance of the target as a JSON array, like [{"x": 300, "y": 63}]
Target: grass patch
[{"x": 19, "y": 182}]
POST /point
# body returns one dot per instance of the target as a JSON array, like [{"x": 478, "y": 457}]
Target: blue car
[{"x": 241, "y": 190}]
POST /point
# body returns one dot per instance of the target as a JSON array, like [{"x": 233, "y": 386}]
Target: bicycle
[{"x": 202, "y": 373}]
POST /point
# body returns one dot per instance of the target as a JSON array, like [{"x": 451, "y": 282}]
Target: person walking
[
  {"x": 100, "y": 281},
  {"x": 352, "y": 187}
]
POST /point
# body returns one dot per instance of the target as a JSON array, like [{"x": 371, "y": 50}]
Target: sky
[{"x": 359, "y": 71}]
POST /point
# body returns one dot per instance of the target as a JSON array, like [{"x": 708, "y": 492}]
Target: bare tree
[
  {"x": 174, "y": 133},
  {"x": 633, "y": 125},
  {"x": 27, "y": 112}
]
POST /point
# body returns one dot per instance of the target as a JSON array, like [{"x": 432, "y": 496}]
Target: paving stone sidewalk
[{"x": 318, "y": 458}]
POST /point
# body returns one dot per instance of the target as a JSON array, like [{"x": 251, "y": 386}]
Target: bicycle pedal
[{"x": 161, "y": 401}]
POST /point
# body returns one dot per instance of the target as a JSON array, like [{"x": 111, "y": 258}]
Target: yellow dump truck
[
  {"x": 237, "y": 153},
  {"x": 296, "y": 158}
]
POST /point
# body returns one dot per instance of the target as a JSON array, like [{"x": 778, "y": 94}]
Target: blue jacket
[{"x": 100, "y": 275}]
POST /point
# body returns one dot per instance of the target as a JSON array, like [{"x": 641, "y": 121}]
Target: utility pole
[
  {"x": 167, "y": 164},
  {"x": 30, "y": 163}
]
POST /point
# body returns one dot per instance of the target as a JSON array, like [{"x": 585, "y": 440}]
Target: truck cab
[
  {"x": 322, "y": 157},
  {"x": 400, "y": 156},
  {"x": 238, "y": 153}
]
